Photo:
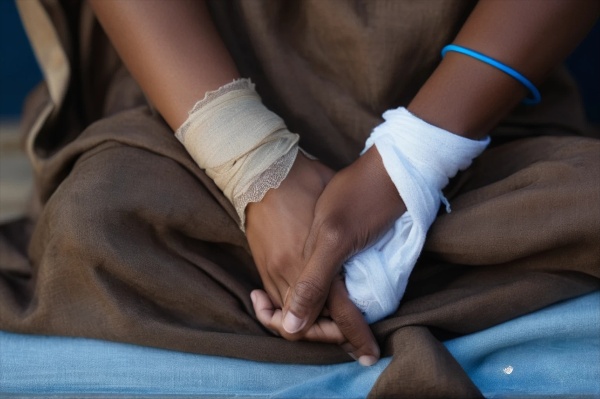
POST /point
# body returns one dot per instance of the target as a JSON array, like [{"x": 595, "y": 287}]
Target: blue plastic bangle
[{"x": 535, "y": 96}]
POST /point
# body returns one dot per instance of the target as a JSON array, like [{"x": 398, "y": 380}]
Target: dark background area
[{"x": 19, "y": 72}]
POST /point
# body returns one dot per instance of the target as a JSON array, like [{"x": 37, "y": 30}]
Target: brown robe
[{"x": 128, "y": 240}]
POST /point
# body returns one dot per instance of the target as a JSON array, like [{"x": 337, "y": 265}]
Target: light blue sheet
[{"x": 552, "y": 352}]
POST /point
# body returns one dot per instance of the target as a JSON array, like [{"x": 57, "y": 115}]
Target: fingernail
[
  {"x": 366, "y": 360},
  {"x": 291, "y": 323},
  {"x": 253, "y": 297}
]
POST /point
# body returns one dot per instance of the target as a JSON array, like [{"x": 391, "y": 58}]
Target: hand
[
  {"x": 358, "y": 205},
  {"x": 345, "y": 320},
  {"x": 277, "y": 228}
]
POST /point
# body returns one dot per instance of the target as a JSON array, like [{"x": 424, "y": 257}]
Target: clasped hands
[{"x": 301, "y": 233}]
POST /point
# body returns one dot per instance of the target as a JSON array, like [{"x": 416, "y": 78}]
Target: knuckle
[
  {"x": 307, "y": 292},
  {"x": 331, "y": 233},
  {"x": 345, "y": 321},
  {"x": 351, "y": 328}
]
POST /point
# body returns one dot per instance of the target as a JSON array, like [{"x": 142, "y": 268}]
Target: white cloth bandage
[
  {"x": 420, "y": 159},
  {"x": 245, "y": 148}
]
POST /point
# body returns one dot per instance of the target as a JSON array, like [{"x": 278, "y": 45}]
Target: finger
[
  {"x": 265, "y": 311},
  {"x": 273, "y": 291},
  {"x": 279, "y": 291},
  {"x": 307, "y": 295},
  {"x": 324, "y": 330},
  {"x": 349, "y": 319},
  {"x": 324, "y": 311}
]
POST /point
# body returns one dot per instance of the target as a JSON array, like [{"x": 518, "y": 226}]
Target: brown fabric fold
[{"x": 131, "y": 242}]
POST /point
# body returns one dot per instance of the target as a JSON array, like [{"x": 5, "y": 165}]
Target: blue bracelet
[{"x": 535, "y": 96}]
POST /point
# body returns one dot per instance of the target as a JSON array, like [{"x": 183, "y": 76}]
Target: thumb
[{"x": 306, "y": 297}]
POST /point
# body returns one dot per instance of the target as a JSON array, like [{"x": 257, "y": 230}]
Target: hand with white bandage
[
  {"x": 393, "y": 193},
  {"x": 371, "y": 221}
]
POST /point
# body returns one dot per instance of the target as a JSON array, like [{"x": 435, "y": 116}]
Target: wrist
[
  {"x": 245, "y": 148},
  {"x": 457, "y": 97},
  {"x": 421, "y": 158},
  {"x": 306, "y": 178},
  {"x": 372, "y": 162}
]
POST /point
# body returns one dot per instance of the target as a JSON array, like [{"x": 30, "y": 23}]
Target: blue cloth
[
  {"x": 555, "y": 351},
  {"x": 552, "y": 352},
  {"x": 59, "y": 365}
]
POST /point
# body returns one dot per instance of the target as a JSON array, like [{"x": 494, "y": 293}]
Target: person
[{"x": 167, "y": 253}]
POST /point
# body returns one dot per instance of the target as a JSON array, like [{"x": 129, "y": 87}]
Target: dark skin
[{"x": 176, "y": 55}]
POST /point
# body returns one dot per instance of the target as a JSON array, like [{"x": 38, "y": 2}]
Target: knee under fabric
[
  {"x": 420, "y": 159},
  {"x": 245, "y": 148}
]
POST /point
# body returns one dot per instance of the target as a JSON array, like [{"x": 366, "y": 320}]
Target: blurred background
[{"x": 19, "y": 74}]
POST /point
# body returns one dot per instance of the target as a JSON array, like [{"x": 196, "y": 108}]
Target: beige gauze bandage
[{"x": 245, "y": 148}]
